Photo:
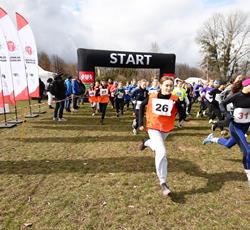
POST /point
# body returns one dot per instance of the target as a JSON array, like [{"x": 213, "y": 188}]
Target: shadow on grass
[
  {"x": 81, "y": 139},
  {"x": 93, "y": 139},
  {"x": 145, "y": 164},
  {"x": 90, "y": 127},
  {"x": 215, "y": 181}
]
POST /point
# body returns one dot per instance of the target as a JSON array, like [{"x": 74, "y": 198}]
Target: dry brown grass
[{"x": 81, "y": 175}]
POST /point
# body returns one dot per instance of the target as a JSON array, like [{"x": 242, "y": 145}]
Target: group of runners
[{"x": 225, "y": 105}]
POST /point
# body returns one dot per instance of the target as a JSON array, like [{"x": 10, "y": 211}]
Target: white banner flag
[
  {"x": 6, "y": 84},
  {"x": 15, "y": 55},
  {"x": 30, "y": 54}
]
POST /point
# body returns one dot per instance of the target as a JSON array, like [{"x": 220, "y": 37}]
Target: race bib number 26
[
  {"x": 242, "y": 115},
  {"x": 162, "y": 107}
]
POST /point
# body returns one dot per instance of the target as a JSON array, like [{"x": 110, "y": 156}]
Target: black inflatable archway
[{"x": 89, "y": 59}]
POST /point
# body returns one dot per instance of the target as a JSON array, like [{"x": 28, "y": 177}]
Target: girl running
[
  {"x": 103, "y": 100},
  {"x": 119, "y": 99},
  {"x": 162, "y": 108},
  {"x": 91, "y": 94},
  {"x": 239, "y": 124}
]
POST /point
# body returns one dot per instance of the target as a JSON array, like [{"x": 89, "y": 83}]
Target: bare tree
[
  {"x": 58, "y": 64},
  {"x": 225, "y": 43},
  {"x": 155, "y": 47},
  {"x": 184, "y": 71},
  {"x": 44, "y": 61}
]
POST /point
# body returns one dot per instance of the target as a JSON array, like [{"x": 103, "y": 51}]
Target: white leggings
[{"x": 156, "y": 143}]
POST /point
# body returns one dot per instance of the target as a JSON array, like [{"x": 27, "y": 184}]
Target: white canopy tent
[
  {"x": 195, "y": 80},
  {"x": 44, "y": 74}
]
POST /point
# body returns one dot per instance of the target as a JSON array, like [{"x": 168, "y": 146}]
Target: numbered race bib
[
  {"x": 209, "y": 97},
  {"x": 126, "y": 91},
  {"x": 162, "y": 106},
  {"x": 120, "y": 95},
  {"x": 104, "y": 92},
  {"x": 92, "y": 93},
  {"x": 242, "y": 115},
  {"x": 138, "y": 104}
]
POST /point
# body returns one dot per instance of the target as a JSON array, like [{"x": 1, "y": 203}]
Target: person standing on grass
[
  {"x": 58, "y": 90},
  {"x": 239, "y": 124},
  {"x": 76, "y": 91},
  {"x": 68, "y": 85},
  {"x": 50, "y": 96},
  {"x": 41, "y": 90},
  {"x": 162, "y": 108}
]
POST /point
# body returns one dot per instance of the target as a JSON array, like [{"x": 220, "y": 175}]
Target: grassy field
[{"x": 83, "y": 175}]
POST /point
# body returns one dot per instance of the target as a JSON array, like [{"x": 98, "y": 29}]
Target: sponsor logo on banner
[
  {"x": 11, "y": 46},
  {"x": 87, "y": 77},
  {"x": 28, "y": 50}
]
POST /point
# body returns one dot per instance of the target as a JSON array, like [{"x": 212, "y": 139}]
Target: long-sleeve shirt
[{"x": 160, "y": 96}]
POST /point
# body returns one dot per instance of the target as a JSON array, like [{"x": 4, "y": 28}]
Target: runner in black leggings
[{"x": 239, "y": 124}]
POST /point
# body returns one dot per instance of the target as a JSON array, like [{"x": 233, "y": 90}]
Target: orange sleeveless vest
[
  {"x": 103, "y": 98},
  {"x": 92, "y": 99},
  {"x": 160, "y": 122}
]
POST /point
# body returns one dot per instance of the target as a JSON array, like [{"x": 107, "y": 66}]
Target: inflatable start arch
[{"x": 89, "y": 59}]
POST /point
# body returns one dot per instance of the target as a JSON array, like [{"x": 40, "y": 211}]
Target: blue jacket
[
  {"x": 76, "y": 87},
  {"x": 68, "y": 87}
]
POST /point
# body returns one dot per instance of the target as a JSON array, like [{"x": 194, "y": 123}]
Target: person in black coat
[
  {"x": 58, "y": 90},
  {"x": 41, "y": 90}
]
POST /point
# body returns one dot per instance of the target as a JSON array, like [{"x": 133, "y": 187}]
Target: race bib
[
  {"x": 209, "y": 97},
  {"x": 242, "y": 115},
  {"x": 92, "y": 93},
  {"x": 112, "y": 94},
  {"x": 138, "y": 104},
  {"x": 120, "y": 95},
  {"x": 162, "y": 107},
  {"x": 126, "y": 91},
  {"x": 104, "y": 92}
]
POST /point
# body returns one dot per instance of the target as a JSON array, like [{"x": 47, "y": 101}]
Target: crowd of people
[{"x": 226, "y": 105}]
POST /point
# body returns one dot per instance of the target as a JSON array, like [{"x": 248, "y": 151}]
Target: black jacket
[{"x": 58, "y": 88}]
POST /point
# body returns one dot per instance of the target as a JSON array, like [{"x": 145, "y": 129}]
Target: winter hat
[{"x": 246, "y": 82}]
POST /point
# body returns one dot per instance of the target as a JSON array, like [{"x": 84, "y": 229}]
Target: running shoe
[
  {"x": 135, "y": 131},
  {"x": 142, "y": 145},
  {"x": 62, "y": 119},
  {"x": 165, "y": 189},
  {"x": 208, "y": 139},
  {"x": 133, "y": 123},
  {"x": 214, "y": 127},
  {"x": 54, "y": 118},
  {"x": 211, "y": 121}
]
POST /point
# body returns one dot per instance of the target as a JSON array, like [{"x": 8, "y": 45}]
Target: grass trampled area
[{"x": 79, "y": 174}]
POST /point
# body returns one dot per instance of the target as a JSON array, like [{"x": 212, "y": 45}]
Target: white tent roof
[
  {"x": 44, "y": 74},
  {"x": 190, "y": 80}
]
